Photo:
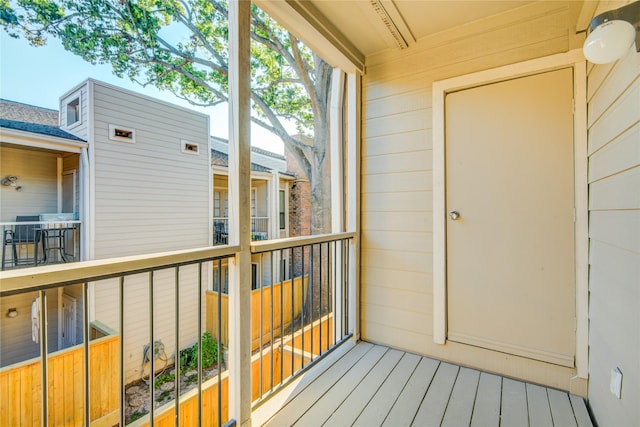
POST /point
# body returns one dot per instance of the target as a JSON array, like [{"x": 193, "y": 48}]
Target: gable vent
[
  {"x": 121, "y": 133},
  {"x": 190, "y": 147}
]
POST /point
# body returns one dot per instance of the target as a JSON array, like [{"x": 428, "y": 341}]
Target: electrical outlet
[{"x": 616, "y": 382}]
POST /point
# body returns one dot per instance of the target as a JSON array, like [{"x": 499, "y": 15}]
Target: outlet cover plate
[{"x": 616, "y": 382}]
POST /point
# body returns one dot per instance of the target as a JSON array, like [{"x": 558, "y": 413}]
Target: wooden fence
[
  {"x": 292, "y": 348},
  {"x": 290, "y": 310},
  {"x": 21, "y": 387}
]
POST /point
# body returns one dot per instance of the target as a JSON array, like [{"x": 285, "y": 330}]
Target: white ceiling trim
[{"x": 304, "y": 20}]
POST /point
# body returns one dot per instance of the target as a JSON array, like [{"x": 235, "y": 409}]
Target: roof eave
[{"x": 36, "y": 140}]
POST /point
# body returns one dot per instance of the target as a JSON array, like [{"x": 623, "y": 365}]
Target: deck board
[
  {"x": 409, "y": 400},
  {"x": 435, "y": 402},
  {"x": 539, "y": 410},
  {"x": 460, "y": 406},
  {"x": 372, "y": 385},
  {"x": 301, "y": 402},
  {"x": 382, "y": 402},
  {"x": 351, "y": 408},
  {"x": 580, "y": 411},
  {"x": 486, "y": 409},
  {"x": 561, "y": 410},
  {"x": 323, "y": 408}
]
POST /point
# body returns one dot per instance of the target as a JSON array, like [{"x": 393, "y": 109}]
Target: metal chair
[
  {"x": 221, "y": 235},
  {"x": 28, "y": 234}
]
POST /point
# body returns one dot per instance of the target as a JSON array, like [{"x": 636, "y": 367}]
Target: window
[
  {"x": 73, "y": 112},
  {"x": 281, "y": 213},
  {"x": 253, "y": 202},
  {"x": 121, "y": 133},
  {"x": 220, "y": 204}
]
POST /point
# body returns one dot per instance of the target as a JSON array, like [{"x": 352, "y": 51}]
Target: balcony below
[
  {"x": 372, "y": 385},
  {"x": 39, "y": 240}
]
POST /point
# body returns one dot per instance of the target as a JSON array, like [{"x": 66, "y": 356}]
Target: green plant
[
  {"x": 164, "y": 378},
  {"x": 137, "y": 415},
  {"x": 189, "y": 355},
  {"x": 164, "y": 395}
]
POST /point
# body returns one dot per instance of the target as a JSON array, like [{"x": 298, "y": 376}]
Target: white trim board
[{"x": 574, "y": 59}]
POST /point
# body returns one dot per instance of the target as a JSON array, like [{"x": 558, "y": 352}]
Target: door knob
[{"x": 454, "y": 215}]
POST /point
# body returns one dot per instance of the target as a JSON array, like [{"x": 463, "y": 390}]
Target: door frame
[{"x": 576, "y": 61}]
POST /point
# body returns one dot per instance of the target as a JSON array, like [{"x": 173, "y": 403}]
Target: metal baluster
[
  {"x": 271, "y": 362},
  {"x": 261, "y": 328},
  {"x": 292, "y": 310},
  {"x": 281, "y": 265},
  {"x": 345, "y": 286},
  {"x": 320, "y": 301},
  {"x": 123, "y": 397},
  {"x": 219, "y": 340},
  {"x": 334, "y": 287},
  {"x": 85, "y": 349},
  {"x": 311, "y": 284},
  {"x": 302, "y": 305},
  {"x": 43, "y": 358},
  {"x": 176, "y": 357},
  {"x": 152, "y": 353},
  {"x": 200, "y": 343}
]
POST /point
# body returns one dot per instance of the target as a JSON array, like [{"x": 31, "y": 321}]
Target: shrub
[{"x": 189, "y": 355}]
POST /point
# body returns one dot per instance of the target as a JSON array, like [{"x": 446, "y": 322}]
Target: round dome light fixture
[{"x": 609, "y": 41}]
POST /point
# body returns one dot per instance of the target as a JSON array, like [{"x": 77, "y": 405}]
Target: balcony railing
[
  {"x": 34, "y": 243},
  {"x": 296, "y": 320},
  {"x": 259, "y": 229},
  {"x": 300, "y": 307}
]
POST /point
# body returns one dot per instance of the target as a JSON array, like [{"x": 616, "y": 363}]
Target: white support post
[
  {"x": 239, "y": 212},
  {"x": 354, "y": 94},
  {"x": 59, "y": 167},
  {"x": 336, "y": 150}
]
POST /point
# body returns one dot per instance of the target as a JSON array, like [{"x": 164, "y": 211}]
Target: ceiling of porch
[{"x": 360, "y": 28}]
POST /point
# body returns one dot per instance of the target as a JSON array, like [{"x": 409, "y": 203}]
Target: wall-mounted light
[
  {"x": 11, "y": 181},
  {"x": 612, "y": 33},
  {"x": 12, "y": 312}
]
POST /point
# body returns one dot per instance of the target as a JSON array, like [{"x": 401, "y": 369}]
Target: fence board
[
  {"x": 21, "y": 403},
  {"x": 291, "y": 311}
]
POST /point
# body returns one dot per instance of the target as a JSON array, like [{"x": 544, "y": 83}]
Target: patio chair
[
  {"x": 28, "y": 234},
  {"x": 221, "y": 236}
]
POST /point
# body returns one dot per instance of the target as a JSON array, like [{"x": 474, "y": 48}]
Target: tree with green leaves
[{"x": 182, "y": 46}]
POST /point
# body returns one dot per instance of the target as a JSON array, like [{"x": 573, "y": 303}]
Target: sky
[{"x": 39, "y": 76}]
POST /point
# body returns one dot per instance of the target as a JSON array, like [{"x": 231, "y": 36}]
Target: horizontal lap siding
[
  {"x": 36, "y": 172},
  {"x": 397, "y": 163},
  {"x": 614, "y": 231},
  {"x": 149, "y": 197},
  {"x": 149, "y": 193}
]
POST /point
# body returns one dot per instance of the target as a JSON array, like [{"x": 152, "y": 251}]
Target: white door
[
  {"x": 69, "y": 191},
  {"x": 510, "y": 252}
]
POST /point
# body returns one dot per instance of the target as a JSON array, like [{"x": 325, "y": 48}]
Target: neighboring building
[
  {"x": 270, "y": 206},
  {"x": 136, "y": 173},
  {"x": 133, "y": 184}
]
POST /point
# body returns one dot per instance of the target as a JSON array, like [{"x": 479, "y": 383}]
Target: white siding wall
[
  {"x": 36, "y": 172},
  {"x": 397, "y": 201},
  {"x": 17, "y": 345},
  {"x": 614, "y": 231},
  {"x": 149, "y": 197}
]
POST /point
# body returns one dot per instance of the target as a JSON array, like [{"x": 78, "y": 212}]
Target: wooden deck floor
[{"x": 372, "y": 385}]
